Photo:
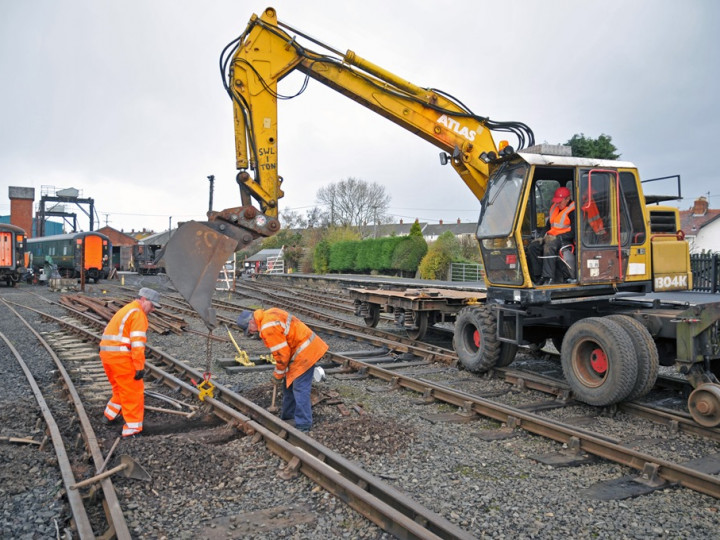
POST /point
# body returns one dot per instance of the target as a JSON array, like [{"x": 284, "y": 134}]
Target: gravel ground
[{"x": 209, "y": 482}]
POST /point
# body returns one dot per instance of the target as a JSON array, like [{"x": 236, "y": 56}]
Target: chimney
[
  {"x": 458, "y": 221},
  {"x": 441, "y": 222},
  {"x": 401, "y": 221},
  {"x": 700, "y": 207},
  {"x": 21, "y": 207}
]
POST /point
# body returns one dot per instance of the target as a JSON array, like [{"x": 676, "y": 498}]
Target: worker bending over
[
  {"x": 296, "y": 349},
  {"x": 122, "y": 351},
  {"x": 560, "y": 232}
]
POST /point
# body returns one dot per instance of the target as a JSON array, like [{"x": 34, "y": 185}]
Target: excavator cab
[{"x": 612, "y": 248}]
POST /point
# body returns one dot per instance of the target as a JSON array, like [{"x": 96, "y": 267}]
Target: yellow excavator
[{"x": 609, "y": 307}]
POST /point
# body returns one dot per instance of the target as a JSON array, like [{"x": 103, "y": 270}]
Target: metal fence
[
  {"x": 705, "y": 272},
  {"x": 466, "y": 272}
]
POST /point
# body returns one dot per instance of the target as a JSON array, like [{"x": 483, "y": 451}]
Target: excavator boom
[{"x": 252, "y": 66}]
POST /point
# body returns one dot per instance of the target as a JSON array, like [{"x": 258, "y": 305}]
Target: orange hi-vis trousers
[{"x": 128, "y": 395}]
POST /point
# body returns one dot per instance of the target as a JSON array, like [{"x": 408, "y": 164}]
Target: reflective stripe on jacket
[
  {"x": 125, "y": 336},
  {"x": 593, "y": 216},
  {"x": 294, "y": 346},
  {"x": 560, "y": 219}
]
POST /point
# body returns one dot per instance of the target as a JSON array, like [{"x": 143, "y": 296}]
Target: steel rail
[
  {"x": 384, "y": 505},
  {"x": 590, "y": 443},
  {"x": 676, "y": 421},
  {"x": 424, "y": 350},
  {"x": 79, "y": 513},
  {"x": 116, "y": 519}
]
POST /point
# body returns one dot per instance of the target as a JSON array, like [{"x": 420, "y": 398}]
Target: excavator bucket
[{"x": 194, "y": 257}]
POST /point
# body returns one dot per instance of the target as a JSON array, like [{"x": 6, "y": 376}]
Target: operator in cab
[
  {"x": 560, "y": 231},
  {"x": 296, "y": 349}
]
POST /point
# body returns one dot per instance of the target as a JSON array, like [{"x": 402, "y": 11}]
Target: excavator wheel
[
  {"x": 476, "y": 343},
  {"x": 599, "y": 361},
  {"x": 646, "y": 352}
]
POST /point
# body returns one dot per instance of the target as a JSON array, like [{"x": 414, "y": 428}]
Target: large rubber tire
[
  {"x": 648, "y": 362},
  {"x": 508, "y": 352},
  {"x": 476, "y": 343},
  {"x": 599, "y": 361},
  {"x": 374, "y": 318}
]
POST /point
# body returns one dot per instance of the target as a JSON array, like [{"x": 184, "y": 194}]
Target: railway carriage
[
  {"x": 13, "y": 254},
  {"x": 144, "y": 256},
  {"x": 72, "y": 253}
]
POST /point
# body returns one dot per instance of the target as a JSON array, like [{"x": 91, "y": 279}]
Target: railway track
[
  {"x": 459, "y": 397},
  {"x": 654, "y": 470},
  {"x": 378, "y": 501},
  {"x": 69, "y": 454}
]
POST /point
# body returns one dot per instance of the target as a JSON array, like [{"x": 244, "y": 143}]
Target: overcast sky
[{"x": 124, "y": 101}]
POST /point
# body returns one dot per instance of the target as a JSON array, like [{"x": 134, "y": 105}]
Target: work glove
[
  {"x": 278, "y": 382},
  {"x": 139, "y": 374}
]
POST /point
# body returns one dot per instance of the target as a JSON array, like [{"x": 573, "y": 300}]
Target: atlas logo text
[{"x": 457, "y": 127}]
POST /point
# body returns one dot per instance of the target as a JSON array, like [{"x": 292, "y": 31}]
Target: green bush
[
  {"x": 342, "y": 256},
  {"x": 436, "y": 263},
  {"x": 321, "y": 257},
  {"x": 408, "y": 253}
]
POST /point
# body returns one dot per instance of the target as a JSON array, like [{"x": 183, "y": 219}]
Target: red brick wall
[{"x": 21, "y": 212}]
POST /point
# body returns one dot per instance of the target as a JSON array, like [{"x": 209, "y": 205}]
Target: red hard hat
[{"x": 560, "y": 194}]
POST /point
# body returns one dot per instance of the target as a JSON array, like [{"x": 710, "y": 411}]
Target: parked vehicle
[
  {"x": 71, "y": 254},
  {"x": 13, "y": 254}
]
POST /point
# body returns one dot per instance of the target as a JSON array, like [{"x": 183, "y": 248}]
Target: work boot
[{"x": 105, "y": 420}]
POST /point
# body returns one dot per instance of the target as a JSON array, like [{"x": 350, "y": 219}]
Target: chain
[{"x": 208, "y": 354}]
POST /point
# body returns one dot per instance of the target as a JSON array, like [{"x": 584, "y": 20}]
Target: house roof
[
  {"x": 691, "y": 223},
  {"x": 264, "y": 254},
  {"x": 158, "y": 239},
  {"x": 457, "y": 229},
  {"x": 388, "y": 229},
  {"x": 117, "y": 237}
]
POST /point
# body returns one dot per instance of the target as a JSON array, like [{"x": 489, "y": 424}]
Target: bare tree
[
  {"x": 314, "y": 217},
  {"x": 292, "y": 219},
  {"x": 317, "y": 217},
  {"x": 354, "y": 202}
]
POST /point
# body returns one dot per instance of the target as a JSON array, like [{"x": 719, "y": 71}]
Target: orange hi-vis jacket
[
  {"x": 560, "y": 219},
  {"x": 125, "y": 337},
  {"x": 593, "y": 216},
  {"x": 294, "y": 346}
]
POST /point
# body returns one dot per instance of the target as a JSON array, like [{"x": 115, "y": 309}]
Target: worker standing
[
  {"x": 296, "y": 349},
  {"x": 122, "y": 351}
]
